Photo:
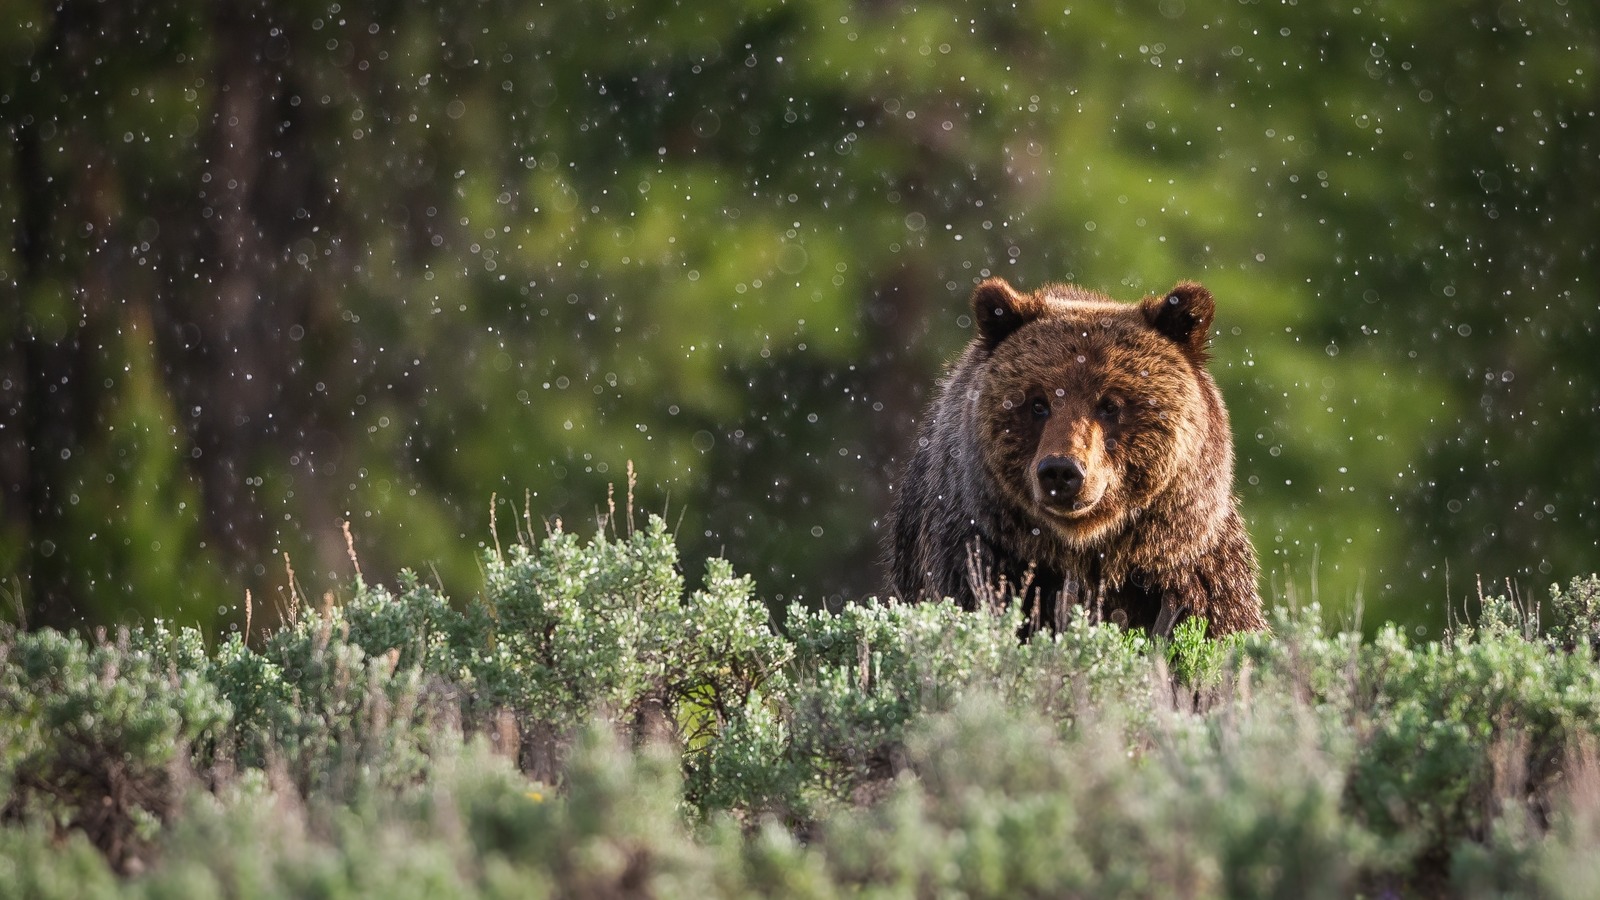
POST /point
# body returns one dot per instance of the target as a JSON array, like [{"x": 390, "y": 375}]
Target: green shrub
[
  {"x": 38, "y": 863},
  {"x": 578, "y": 630},
  {"x": 1196, "y": 661},
  {"x": 330, "y": 712},
  {"x": 577, "y": 627},
  {"x": 475, "y": 828},
  {"x": 861, "y": 674},
  {"x": 589, "y": 727},
  {"x": 859, "y": 677},
  {"x": 1575, "y": 615},
  {"x": 417, "y": 625},
  {"x": 96, "y": 737},
  {"x": 1454, "y": 740},
  {"x": 1003, "y": 805}
]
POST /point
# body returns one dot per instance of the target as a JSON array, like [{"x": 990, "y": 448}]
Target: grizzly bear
[{"x": 1078, "y": 454}]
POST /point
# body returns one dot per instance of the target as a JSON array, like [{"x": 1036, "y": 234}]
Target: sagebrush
[{"x": 587, "y": 726}]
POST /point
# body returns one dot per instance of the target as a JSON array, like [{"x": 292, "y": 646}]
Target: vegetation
[
  {"x": 591, "y": 727},
  {"x": 269, "y": 264},
  {"x": 281, "y": 263}
]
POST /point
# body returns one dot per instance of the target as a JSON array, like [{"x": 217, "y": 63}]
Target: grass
[{"x": 589, "y": 727}]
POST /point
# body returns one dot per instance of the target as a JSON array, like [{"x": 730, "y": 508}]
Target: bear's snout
[{"x": 1060, "y": 480}]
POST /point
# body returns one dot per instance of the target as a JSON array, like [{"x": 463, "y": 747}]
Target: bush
[
  {"x": 589, "y": 727},
  {"x": 575, "y": 631},
  {"x": 39, "y": 863},
  {"x": 97, "y": 737},
  {"x": 1575, "y": 615},
  {"x": 1002, "y": 805}
]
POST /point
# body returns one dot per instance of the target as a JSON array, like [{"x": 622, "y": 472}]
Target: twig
[{"x": 350, "y": 546}]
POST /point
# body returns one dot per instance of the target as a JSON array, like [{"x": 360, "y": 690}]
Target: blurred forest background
[{"x": 272, "y": 266}]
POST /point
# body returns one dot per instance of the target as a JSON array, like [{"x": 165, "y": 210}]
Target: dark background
[{"x": 275, "y": 266}]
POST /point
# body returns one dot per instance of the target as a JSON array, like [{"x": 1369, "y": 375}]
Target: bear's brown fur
[{"x": 1078, "y": 454}]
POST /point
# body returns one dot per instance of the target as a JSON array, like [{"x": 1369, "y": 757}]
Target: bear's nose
[{"x": 1060, "y": 477}]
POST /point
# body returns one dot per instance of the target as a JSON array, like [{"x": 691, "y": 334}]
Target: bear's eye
[
  {"x": 1041, "y": 409},
  {"x": 1109, "y": 410}
]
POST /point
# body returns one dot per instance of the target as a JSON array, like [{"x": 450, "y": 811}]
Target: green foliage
[
  {"x": 417, "y": 625},
  {"x": 95, "y": 737},
  {"x": 37, "y": 864},
  {"x": 862, "y": 674},
  {"x": 513, "y": 245},
  {"x": 591, "y": 727},
  {"x": 1194, "y": 659},
  {"x": 576, "y": 626},
  {"x": 325, "y": 707},
  {"x": 1003, "y": 806},
  {"x": 580, "y": 630},
  {"x": 1454, "y": 736},
  {"x": 1575, "y": 615}
]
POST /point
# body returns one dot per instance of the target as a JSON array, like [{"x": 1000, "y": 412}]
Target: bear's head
[{"x": 1092, "y": 410}]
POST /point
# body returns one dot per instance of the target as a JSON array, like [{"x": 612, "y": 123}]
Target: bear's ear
[
  {"x": 999, "y": 310},
  {"x": 1184, "y": 316}
]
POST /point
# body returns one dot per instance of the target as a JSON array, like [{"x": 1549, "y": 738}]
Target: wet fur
[{"x": 1163, "y": 538}]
